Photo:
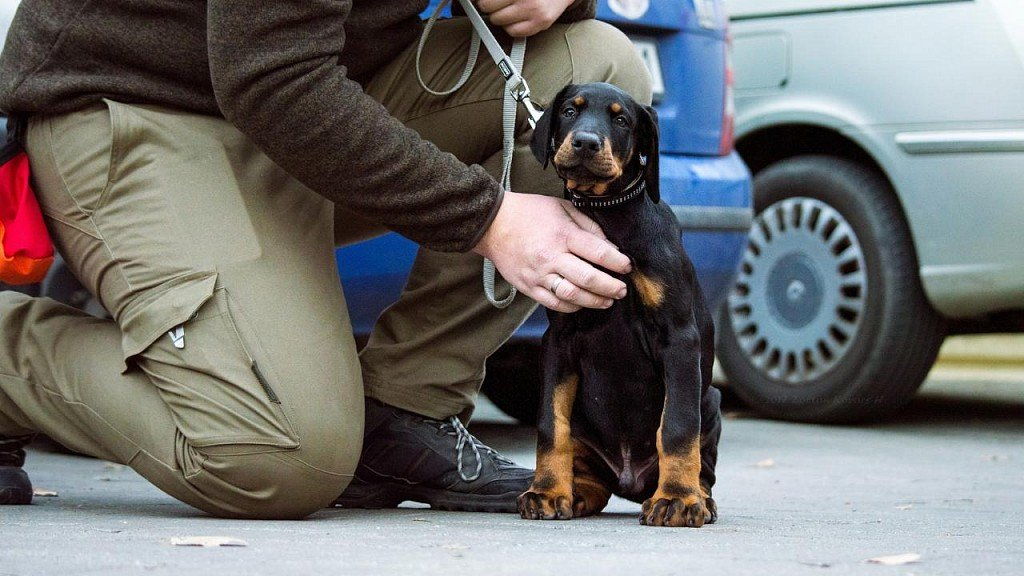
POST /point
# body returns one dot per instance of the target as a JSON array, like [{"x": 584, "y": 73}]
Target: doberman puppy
[{"x": 627, "y": 406}]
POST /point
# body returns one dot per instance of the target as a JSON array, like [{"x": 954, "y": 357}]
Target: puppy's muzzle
[{"x": 585, "y": 160}]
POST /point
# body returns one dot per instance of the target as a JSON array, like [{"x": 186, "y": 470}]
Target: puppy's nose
[{"x": 586, "y": 143}]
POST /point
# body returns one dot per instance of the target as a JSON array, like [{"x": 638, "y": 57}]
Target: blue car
[{"x": 684, "y": 43}]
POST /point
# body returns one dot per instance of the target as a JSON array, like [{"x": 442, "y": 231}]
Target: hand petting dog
[{"x": 558, "y": 242}]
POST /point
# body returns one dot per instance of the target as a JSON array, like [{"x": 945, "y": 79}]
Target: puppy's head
[{"x": 596, "y": 133}]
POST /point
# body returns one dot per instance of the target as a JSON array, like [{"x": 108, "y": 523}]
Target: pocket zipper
[{"x": 266, "y": 385}]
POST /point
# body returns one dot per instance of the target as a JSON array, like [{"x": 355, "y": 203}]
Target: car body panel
[
  {"x": 667, "y": 16},
  {"x": 691, "y": 112},
  {"x": 741, "y": 9},
  {"x": 963, "y": 196}
]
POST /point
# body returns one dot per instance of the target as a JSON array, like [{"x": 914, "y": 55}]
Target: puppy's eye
[
  {"x": 569, "y": 113},
  {"x": 621, "y": 121}
]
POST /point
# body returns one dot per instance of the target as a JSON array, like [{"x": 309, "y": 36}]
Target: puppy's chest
[
  {"x": 626, "y": 333},
  {"x": 621, "y": 388}
]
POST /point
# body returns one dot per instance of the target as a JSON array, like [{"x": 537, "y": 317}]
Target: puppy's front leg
[
  {"x": 550, "y": 496},
  {"x": 679, "y": 499}
]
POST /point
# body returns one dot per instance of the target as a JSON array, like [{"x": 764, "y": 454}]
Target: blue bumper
[{"x": 711, "y": 196}]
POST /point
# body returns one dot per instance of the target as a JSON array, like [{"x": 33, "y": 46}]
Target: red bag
[{"x": 26, "y": 251}]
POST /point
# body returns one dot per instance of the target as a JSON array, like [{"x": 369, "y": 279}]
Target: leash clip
[
  {"x": 520, "y": 92},
  {"x": 533, "y": 113},
  {"x": 518, "y": 88}
]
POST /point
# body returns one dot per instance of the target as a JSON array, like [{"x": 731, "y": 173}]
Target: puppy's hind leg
[
  {"x": 710, "y": 403},
  {"x": 589, "y": 494},
  {"x": 710, "y": 432}
]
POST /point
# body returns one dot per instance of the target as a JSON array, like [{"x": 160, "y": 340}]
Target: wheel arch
[
  {"x": 763, "y": 145},
  {"x": 769, "y": 144}
]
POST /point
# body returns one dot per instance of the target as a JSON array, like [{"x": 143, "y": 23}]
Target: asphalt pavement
[{"x": 944, "y": 482}]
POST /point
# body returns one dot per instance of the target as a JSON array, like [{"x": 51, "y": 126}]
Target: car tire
[
  {"x": 827, "y": 320},
  {"x": 513, "y": 381}
]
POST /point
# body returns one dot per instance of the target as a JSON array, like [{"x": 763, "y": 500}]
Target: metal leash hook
[{"x": 532, "y": 112}]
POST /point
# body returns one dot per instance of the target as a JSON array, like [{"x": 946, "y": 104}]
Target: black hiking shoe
[
  {"x": 408, "y": 457},
  {"x": 15, "y": 487}
]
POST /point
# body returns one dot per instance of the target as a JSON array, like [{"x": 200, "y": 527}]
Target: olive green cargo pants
[{"x": 229, "y": 376}]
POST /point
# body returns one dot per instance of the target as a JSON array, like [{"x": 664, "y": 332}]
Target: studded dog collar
[{"x": 635, "y": 189}]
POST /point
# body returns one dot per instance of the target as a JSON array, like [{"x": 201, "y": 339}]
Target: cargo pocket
[{"x": 211, "y": 372}]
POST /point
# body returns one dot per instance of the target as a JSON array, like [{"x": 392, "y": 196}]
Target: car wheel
[
  {"x": 827, "y": 320},
  {"x": 513, "y": 381}
]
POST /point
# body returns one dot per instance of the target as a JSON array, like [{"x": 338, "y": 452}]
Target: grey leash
[{"x": 516, "y": 90}]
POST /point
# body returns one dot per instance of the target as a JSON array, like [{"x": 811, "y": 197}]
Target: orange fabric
[{"x": 19, "y": 268}]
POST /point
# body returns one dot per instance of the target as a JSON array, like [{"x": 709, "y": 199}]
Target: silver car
[{"x": 887, "y": 142}]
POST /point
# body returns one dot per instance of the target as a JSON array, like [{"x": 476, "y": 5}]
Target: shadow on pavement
[
  {"x": 964, "y": 404},
  {"x": 960, "y": 411},
  {"x": 977, "y": 400}
]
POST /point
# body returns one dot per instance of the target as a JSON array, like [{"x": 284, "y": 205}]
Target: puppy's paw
[
  {"x": 537, "y": 505},
  {"x": 583, "y": 506},
  {"x": 712, "y": 511},
  {"x": 689, "y": 511}
]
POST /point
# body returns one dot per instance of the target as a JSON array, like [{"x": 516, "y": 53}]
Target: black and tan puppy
[{"x": 627, "y": 407}]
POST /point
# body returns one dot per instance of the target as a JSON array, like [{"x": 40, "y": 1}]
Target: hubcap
[{"x": 799, "y": 297}]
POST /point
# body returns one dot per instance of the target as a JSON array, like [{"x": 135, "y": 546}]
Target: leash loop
[{"x": 467, "y": 71}]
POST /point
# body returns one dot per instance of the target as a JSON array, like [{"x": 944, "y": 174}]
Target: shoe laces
[{"x": 463, "y": 439}]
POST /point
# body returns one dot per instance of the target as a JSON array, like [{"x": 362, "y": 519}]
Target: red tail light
[{"x": 725, "y": 145}]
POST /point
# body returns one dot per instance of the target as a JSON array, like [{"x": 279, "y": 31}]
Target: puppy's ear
[
  {"x": 647, "y": 148},
  {"x": 546, "y": 129}
]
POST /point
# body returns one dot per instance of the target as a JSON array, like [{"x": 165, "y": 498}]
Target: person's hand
[
  {"x": 544, "y": 247},
  {"x": 522, "y": 18}
]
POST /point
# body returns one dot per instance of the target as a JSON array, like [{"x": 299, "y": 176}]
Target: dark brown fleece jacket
[{"x": 285, "y": 72}]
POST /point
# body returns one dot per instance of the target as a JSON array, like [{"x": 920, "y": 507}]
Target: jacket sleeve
[
  {"x": 579, "y": 10},
  {"x": 276, "y": 77}
]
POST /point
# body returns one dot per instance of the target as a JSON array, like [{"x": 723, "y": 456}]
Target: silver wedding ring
[{"x": 554, "y": 287}]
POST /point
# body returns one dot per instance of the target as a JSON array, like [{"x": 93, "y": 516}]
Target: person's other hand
[
  {"x": 522, "y": 18},
  {"x": 545, "y": 248}
]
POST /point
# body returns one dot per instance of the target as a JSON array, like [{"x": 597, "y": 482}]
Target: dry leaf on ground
[
  {"x": 895, "y": 560},
  {"x": 207, "y": 541}
]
